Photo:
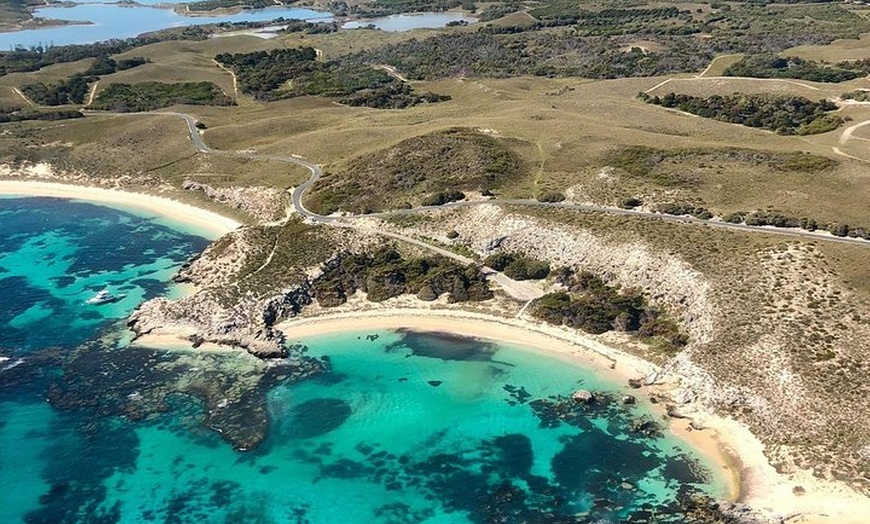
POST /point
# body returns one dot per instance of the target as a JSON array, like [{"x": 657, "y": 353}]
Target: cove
[{"x": 390, "y": 427}]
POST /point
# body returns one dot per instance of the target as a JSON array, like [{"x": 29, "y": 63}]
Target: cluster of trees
[
  {"x": 857, "y": 95},
  {"x": 74, "y": 89},
  {"x": 394, "y": 96},
  {"x": 488, "y": 53},
  {"x": 595, "y": 307},
  {"x": 385, "y": 273},
  {"x": 70, "y": 91},
  {"x": 778, "y": 219},
  {"x": 262, "y": 72},
  {"x": 147, "y": 96},
  {"x": 443, "y": 197},
  {"x": 211, "y": 5},
  {"x": 597, "y": 44},
  {"x": 770, "y": 65},
  {"x": 518, "y": 266},
  {"x": 616, "y": 21},
  {"x": 379, "y": 8},
  {"x": 285, "y": 73},
  {"x": 106, "y": 65},
  {"x": 15, "y": 115},
  {"x": 684, "y": 208},
  {"x": 787, "y": 115},
  {"x": 32, "y": 59},
  {"x": 310, "y": 28}
]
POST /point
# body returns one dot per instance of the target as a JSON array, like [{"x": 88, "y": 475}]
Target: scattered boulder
[
  {"x": 635, "y": 383},
  {"x": 628, "y": 400},
  {"x": 674, "y": 412},
  {"x": 645, "y": 427},
  {"x": 582, "y": 396}
]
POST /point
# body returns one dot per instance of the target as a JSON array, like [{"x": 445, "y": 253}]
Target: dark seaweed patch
[
  {"x": 593, "y": 454},
  {"x": 317, "y": 417},
  {"x": 443, "y": 346}
]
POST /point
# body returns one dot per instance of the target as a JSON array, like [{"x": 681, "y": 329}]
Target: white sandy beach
[{"x": 202, "y": 220}]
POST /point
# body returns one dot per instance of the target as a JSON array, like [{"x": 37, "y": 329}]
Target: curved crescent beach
[
  {"x": 207, "y": 222},
  {"x": 729, "y": 445}
]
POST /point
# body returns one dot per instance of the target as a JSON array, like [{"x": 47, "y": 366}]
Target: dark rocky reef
[{"x": 141, "y": 383}]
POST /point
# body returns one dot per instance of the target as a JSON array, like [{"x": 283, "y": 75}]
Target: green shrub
[{"x": 551, "y": 197}]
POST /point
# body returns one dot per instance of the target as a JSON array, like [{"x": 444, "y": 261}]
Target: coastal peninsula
[{"x": 682, "y": 211}]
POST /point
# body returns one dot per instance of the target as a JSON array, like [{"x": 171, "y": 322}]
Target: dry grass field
[
  {"x": 567, "y": 129},
  {"x": 836, "y": 51}
]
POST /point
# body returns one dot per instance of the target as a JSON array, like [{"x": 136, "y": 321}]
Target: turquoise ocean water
[{"x": 397, "y": 427}]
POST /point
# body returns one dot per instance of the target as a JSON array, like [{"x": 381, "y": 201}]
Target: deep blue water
[{"x": 391, "y": 427}]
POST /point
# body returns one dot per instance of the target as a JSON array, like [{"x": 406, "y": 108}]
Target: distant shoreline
[{"x": 210, "y": 223}]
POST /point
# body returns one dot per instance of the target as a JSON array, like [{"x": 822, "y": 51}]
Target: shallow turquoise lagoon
[{"x": 397, "y": 427}]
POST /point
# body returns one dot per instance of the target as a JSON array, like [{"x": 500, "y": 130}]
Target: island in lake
[{"x": 441, "y": 262}]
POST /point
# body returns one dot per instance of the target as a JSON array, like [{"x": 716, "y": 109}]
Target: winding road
[
  {"x": 316, "y": 172},
  {"x": 519, "y": 290}
]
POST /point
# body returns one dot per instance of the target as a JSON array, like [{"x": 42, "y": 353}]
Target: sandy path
[{"x": 28, "y": 101}]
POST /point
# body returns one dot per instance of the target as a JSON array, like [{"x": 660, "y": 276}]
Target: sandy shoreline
[
  {"x": 577, "y": 349},
  {"x": 728, "y": 445},
  {"x": 207, "y": 222}
]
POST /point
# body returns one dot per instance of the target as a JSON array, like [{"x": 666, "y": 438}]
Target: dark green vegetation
[
  {"x": 74, "y": 90},
  {"x": 23, "y": 60},
  {"x": 571, "y": 38},
  {"x": 210, "y": 5},
  {"x": 443, "y": 197},
  {"x": 15, "y": 115},
  {"x": 422, "y": 169},
  {"x": 311, "y": 28},
  {"x": 771, "y": 217},
  {"x": 647, "y": 162},
  {"x": 393, "y": 96},
  {"x": 518, "y": 266},
  {"x": 787, "y": 115},
  {"x": 386, "y": 273},
  {"x": 595, "y": 307},
  {"x": 858, "y": 96},
  {"x": 71, "y": 91},
  {"x": 551, "y": 197},
  {"x": 615, "y": 20},
  {"x": 773, "y": 66},
  {"x": 147, "y": 96},
  {"x": 391, "y": 7},
  {"x": 286, "y": 73}
]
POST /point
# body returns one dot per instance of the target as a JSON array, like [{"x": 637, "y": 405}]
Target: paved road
[
  {"x": 519, "y": 290},
  {"x": 316, "y": 173}
]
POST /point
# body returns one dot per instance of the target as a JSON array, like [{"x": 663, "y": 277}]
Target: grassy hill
[{"x": 405, "y": 174}]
